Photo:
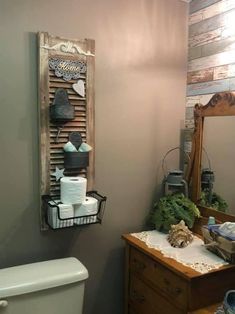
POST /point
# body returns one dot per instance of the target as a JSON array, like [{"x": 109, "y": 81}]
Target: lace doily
[{"x": 195, "y": 255}]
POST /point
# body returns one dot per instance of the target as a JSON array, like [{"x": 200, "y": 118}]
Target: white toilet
[{"x": 51, "y": 287}]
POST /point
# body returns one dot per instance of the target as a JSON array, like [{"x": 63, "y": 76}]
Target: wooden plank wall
[{"x": 211, "y": 52}]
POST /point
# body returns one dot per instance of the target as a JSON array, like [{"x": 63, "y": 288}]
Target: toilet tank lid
[{"x": 39, "y": 276}]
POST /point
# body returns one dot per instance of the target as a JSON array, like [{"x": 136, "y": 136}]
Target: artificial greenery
[
  {"x": 171, "y": 209},
  {"x": 217, "y": 202}
]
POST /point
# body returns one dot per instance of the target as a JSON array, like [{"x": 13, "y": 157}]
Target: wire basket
[{"x": 54, "y": 215}]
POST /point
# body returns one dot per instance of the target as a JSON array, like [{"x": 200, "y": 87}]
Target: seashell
[{"x": 179, "y": 235}]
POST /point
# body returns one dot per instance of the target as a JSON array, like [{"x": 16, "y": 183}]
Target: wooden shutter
[{"x": 51, "y": 153}]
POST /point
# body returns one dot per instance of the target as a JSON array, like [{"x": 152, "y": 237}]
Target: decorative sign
[
  {"x": 67, "y": 69},
  {"x": 79, "y": 88}
]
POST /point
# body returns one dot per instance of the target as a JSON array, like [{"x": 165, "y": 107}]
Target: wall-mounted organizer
[
  {"x": 61, "y": 216},
  {"x": 66, "y": 110}
]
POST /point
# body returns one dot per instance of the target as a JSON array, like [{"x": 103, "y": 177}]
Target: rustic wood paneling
[
  {"x": 223, "y": 72},
  {"x": 218, "y": 46},
  {"x": 207, "y": 88},
  {"x": 211, "y": 48},
  {"x": 196, "y": 5},
  {"x": 211, "y": 23},
  {"x": 194, "y": 52},
  {"x": 90, "y": 131},
  {"x": 211, "y": 87},
  {"x": 191, "y": 101},
  {"x": 189, "y": 113},
  {"x": 43, "y": 100},
  {"x": 199, "y": 99},
  {"x": 211, "y": 74},
  {"x": 206, "y": 38},
  {"x": 232, "y": 85},
  {"x": 212, "y": 10},
  {"x": 211, "y": 54},
  {"x": 200, "y": 76},
  {"x": 219, "y": 59}
]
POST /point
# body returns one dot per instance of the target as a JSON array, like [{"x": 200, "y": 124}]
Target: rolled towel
[
  {"x": 84, "y": 148},
  {"x": 69, "y": 147},
  {"x": 65, "y": 211}
]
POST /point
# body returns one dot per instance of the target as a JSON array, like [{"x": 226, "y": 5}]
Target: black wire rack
[{"x": 53, "y": 214}]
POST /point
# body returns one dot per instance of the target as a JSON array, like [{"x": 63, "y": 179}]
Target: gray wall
[{"x": 140, "y": 89}]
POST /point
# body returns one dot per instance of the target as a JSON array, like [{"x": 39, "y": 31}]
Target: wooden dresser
[{"x": 155, "y": 284}]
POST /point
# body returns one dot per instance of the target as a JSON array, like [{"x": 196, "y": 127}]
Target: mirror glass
[{"x": 218, "y": 184}]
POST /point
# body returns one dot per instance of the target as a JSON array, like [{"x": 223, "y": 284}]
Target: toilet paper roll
[
  {"x": 73, "y": 190},
  {"x": 88, "y": 207}
]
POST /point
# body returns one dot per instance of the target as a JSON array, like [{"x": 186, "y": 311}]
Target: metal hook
[{"x": 59, "y": 128}]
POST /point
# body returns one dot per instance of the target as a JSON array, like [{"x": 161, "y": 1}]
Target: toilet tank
[{"x": 50, "y": 287}]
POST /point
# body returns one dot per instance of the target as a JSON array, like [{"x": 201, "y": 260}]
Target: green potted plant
[
  {"x": 171, "y": 209},
  {"x": 217, "y": 202}
]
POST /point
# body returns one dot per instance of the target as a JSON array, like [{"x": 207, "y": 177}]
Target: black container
[
  {"x": 61, "y": 111},
  {"x": 76, "y": 160}
]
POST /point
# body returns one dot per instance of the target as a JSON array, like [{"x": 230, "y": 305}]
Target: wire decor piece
[
  {"x": 55, "y": 220},
  {"x": 67, "y": 69}
]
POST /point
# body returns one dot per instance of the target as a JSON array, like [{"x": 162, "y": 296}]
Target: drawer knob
[
  {"x": 138, "y": 297},
  {"x": 139, "y": 266},
  {"x": 3, "y": 303},
  {"x": 171, "y": 290}
]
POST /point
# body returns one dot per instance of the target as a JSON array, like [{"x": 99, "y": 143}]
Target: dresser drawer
[
  {"x": 147, "y": 301},
  {"x": 168, "y": 283},
  {"x": 132, "y": 311}
]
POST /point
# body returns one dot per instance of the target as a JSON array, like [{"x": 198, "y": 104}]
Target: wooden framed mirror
[{"x": 214, "y": 144}]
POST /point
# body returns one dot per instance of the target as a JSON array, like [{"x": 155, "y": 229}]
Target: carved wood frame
[{"x": 221, "y": 104}]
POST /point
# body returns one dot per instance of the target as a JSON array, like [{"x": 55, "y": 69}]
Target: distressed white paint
[
  {"x": 217, "y": 8},
  {"x": 191, "y": 101},
  {"x": 219, "y": 59},
  {"x": 79, "y": 88},
  {"x": 217, "y": 73},
  {"x": 197, "y": 5},
  {"x": 68, "y": 47},
  {"x": 211, "y": 87},
  {"x": 208, "y": 87},
  {"x": 212, "y": 48},
  {"x": 211, "y": 36},
  {"x": 213, "y": 23},
  {"x": 195, "y": 18},
  {"x": 224, "y": 72},
  {"x": 225, "y": 19},
  {"x": 206, "y": 38},
  {"x": 189, "y": 124},
  {"x": 189, "y": 114}
]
